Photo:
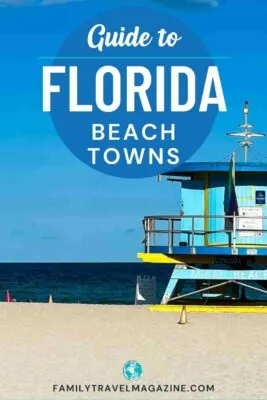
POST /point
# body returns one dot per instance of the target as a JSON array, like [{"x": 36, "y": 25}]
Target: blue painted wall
[
  {"x": 193, "y": 204},
  {"x": 246, "y": 187},
  {"x": 192, "y": 196}
]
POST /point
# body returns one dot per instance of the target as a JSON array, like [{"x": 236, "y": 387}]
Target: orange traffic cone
[
  {"x": 8, "y": 297},
  {"x": 50, "y": 300},
  {"x": 183, "y": 317}
]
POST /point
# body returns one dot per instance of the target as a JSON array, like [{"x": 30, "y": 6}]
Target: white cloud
[
  {"x": 172, "y": 3},
  {"x": 189, "y": 4},
  {"x": 17, "y": 3},
  {"x": 52, "y": 2},
  {"x": 212, "y": 3}
]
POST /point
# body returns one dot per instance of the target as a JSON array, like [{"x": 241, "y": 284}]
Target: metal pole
[
  {"x": 246, "y": 133},
  {"x": 250, "y": 287},
  {"x": 153, "y": 228},
  {"x": 145, "y": 229},
  {"x": 172, "y": 234},
  {"x": 234, "y": 234},
  {"x": 148, "y": 235},
  {"x": 234, "y": 217},
  {"x": 246, "y": 151},
  {"x": 246, "y": 111},
  {"x": 193, "y": 231},
  {"x": 246, "y": 138},
  {"x": 169, "y": 235}
]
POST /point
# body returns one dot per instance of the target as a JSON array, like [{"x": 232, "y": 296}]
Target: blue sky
[{"x": 54, "y": 208}]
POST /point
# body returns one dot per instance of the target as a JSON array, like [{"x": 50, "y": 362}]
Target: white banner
[{"x": 251, "y": 223}]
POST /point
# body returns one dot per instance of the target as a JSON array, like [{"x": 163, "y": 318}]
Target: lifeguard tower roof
[{"x": 190, "y": 168}]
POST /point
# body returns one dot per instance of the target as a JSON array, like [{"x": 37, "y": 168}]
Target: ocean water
[{"x": 95, "y": 283}]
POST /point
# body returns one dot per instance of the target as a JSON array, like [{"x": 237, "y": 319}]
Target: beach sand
[{"x": 46, "y": 344}]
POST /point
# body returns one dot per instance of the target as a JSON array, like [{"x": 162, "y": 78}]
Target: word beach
[{"x": 132, "y": 154}]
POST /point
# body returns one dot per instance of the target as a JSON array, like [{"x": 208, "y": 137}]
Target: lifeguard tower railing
[{"x": 194, "y": 234}]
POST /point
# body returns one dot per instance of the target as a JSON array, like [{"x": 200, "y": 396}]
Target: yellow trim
[
  {"x": 187, "y": 259},
  {"x": 211, "y": 309},
  {"x": 251, "y": 197},
  {"x": 217, "y": 244},
  {"x": 175, "y": 258}
]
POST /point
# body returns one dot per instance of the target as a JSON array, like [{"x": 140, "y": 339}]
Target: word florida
[{"x": 143, "y": 87}]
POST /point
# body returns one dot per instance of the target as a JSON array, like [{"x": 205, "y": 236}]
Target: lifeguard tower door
[
  {"x": 248, "y": 206},
  {"x": 193, "y": 204}
]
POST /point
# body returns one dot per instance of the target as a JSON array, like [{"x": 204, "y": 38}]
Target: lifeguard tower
[{"x": 218, "y": 241}]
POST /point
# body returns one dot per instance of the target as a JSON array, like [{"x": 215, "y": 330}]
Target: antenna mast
[{"x": 246, "y": 143}]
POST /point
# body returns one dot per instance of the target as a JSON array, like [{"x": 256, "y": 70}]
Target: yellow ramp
[
  {"x": 210, "y": 309},
  {"x": 175, "y": 258}
]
